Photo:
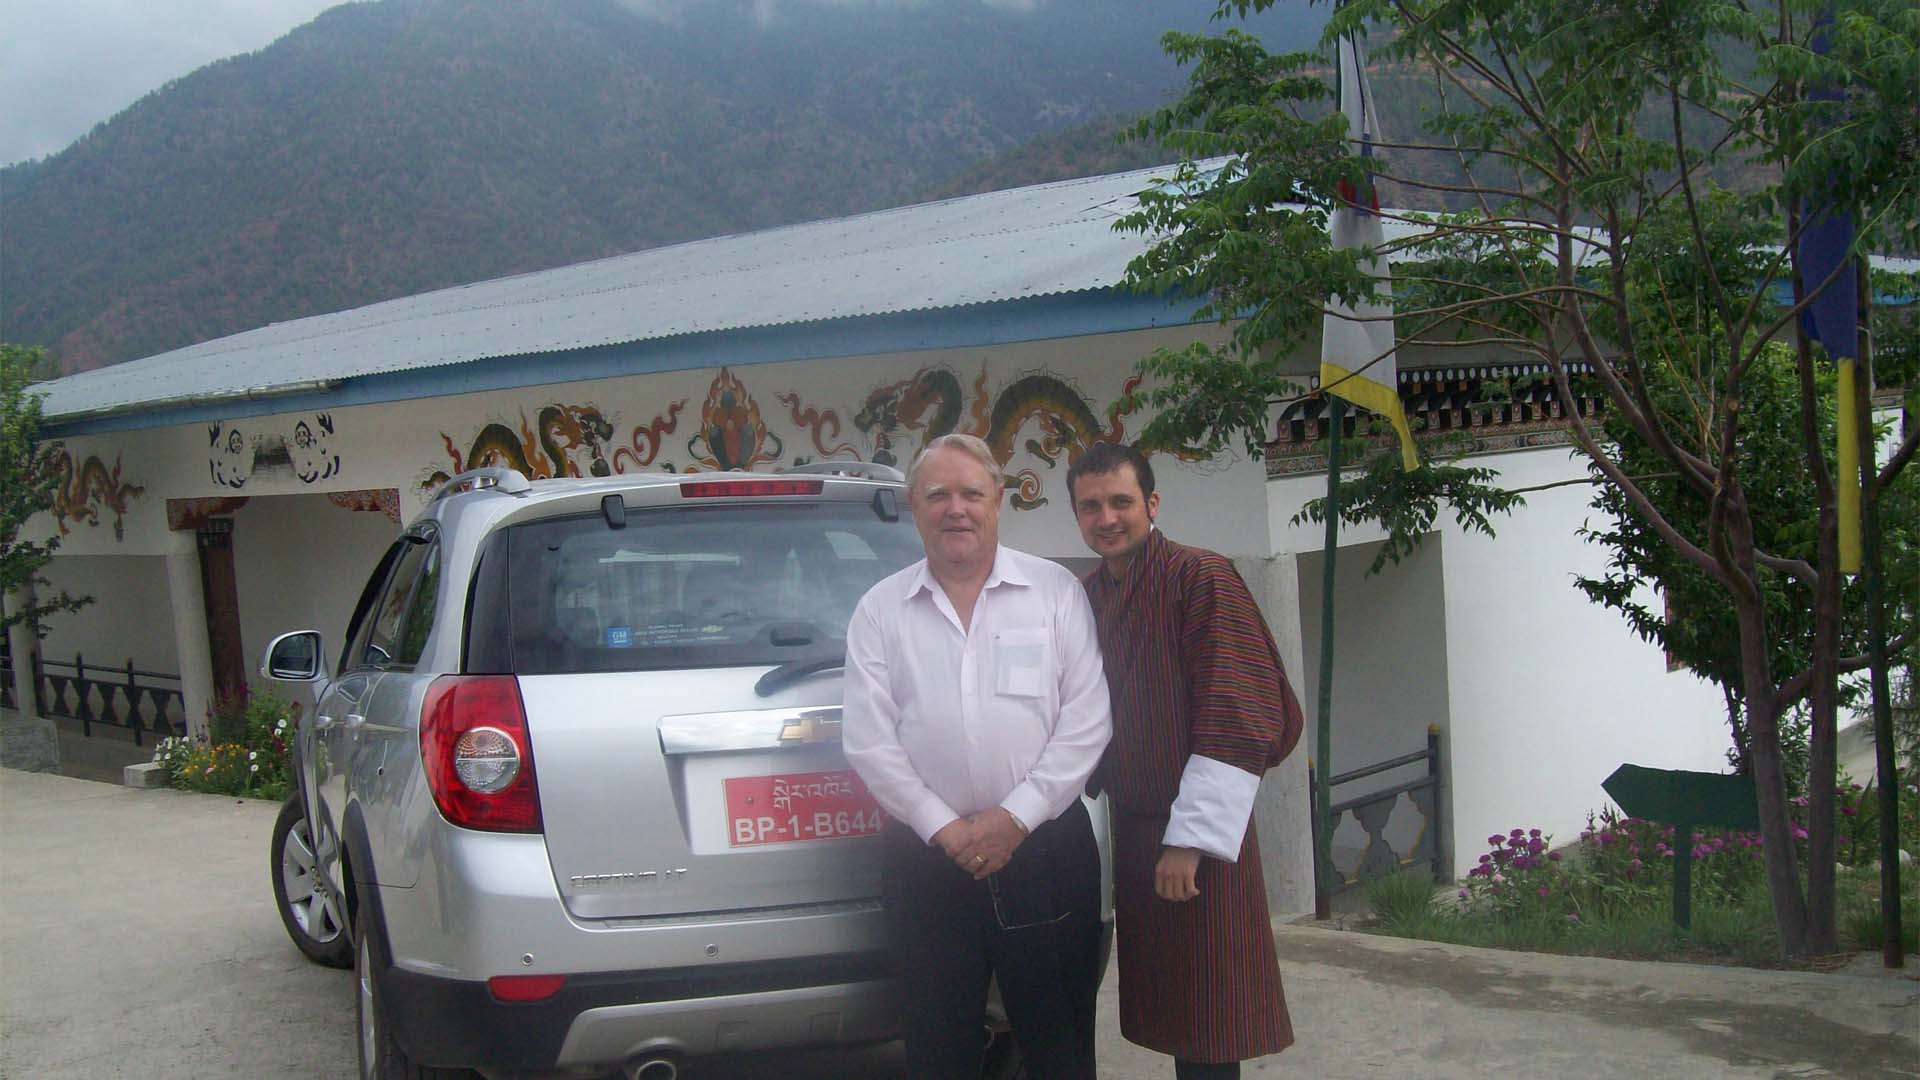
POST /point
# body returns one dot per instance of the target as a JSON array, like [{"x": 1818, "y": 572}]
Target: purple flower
[
  {"x": 1542, "y": 891},
  {"x": 1496, "y": 840},
  {"x": 1536, "y": 845},
  {"x": 1486, "y": 858},
  {"x": 1535, "y": 833},
  {"x": 1553, "y": 856},
  {"x": 1465, "y": 895}
]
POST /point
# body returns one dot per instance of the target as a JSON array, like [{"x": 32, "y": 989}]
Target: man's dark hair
[{"x": 1104, "y": 457}]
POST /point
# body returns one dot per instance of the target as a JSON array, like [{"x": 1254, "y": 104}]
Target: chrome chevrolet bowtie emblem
[{"x": 810, "y": 729}]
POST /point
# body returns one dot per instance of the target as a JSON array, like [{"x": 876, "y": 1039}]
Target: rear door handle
[
  {"x": 322, "y": 722},
  {"x": 354, "y": 720}
]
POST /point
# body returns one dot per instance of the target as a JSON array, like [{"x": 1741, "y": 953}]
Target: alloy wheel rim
[
  {"x": 364, "y": 971},
  {"x": 308, "y": 901}
]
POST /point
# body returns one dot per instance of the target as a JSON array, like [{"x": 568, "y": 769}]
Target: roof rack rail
[
  {"x": 493, "y": 478},
  {"x": 871, "y": 470}
]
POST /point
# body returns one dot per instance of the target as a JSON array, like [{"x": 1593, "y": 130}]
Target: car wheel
[
  {"x": 381, "y": 1058},
  {"x": 311, "y": 912}
]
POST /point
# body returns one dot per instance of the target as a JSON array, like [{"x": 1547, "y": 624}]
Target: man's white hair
[{"x": 971, "y": 445}]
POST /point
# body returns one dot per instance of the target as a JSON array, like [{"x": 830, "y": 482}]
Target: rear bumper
[{"x": 611, "y": 1017}]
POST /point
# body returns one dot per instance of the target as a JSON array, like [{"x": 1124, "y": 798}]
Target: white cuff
[{"x": 1211, "y": 812}]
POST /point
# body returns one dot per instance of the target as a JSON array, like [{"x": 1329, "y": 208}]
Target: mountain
[{"x": 396, "y": 146}]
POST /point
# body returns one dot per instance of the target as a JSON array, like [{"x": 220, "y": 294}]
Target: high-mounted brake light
[
  {"x": 714, "y": 489},
  {"x": 477, "y": 753}
]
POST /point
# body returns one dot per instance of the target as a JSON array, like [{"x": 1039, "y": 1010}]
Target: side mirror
[{"x": 297, "y": 657}]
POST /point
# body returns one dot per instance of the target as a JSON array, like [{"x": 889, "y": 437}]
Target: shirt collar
[{"x": 1005, "y": 572}]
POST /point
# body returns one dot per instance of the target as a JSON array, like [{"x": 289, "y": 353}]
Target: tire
[
  {"x": 381, "y": 1058},
  {"x": 312, "y": 913}
]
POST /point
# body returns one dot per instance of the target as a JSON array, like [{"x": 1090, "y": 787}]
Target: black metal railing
[
  {"x": 1374, "y": 811},
  {"x": 122, "y": 697},
  {"x": 6, "y": 674}
]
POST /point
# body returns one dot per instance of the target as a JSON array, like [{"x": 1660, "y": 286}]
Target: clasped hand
[{"x": 981, "y": 844}]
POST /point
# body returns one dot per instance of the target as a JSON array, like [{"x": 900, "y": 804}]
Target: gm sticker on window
[{"x": 619, "y": 637}]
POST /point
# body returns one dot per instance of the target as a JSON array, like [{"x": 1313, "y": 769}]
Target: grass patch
[{"x": 1612, "y": 895}]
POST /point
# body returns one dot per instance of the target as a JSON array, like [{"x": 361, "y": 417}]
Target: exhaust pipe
[{"x": 654, "y": 1068}]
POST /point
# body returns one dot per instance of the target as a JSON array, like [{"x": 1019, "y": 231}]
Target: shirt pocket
[{"x": 1022, "y": 662}]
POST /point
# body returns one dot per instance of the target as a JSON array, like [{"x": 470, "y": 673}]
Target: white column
[
  {"x": 22, "y": 643},
  {"x": 1283, "y": 811},
  {"x": 190, "y": 630}
]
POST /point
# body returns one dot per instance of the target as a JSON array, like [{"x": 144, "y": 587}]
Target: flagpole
[
  {"x": 1323, "y": 877},
  {"x": 1892, "y": 950}
]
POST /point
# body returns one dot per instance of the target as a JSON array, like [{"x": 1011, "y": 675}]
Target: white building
[{"x": 221, "y": 493}]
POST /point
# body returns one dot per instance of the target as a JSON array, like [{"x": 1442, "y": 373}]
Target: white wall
[
  {"x": 130, "y": 616},
  {"x": 1389, "y": 680},
  {"x": 1545, "y": 694},
  {"x": 1550, "y": 693},
  {"x": 301, "y": 563}
]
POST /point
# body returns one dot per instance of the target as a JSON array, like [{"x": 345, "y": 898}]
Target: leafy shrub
[
  {"x": 1400, "y": 897},
  {"x": 252, "y": 759}
]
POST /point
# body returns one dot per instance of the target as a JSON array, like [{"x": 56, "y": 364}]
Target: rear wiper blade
[{"x": 794, "y": 670}]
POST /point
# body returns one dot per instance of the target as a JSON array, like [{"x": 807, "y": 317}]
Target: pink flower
[
  {"x": 1465, "y": 895},
  {"x": 1499, "y": 879},
  {"x": 1542, "y": 891}
]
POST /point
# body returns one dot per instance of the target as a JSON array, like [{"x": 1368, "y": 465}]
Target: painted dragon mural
[
  {"x": 564, "y": 440},
  {"x": 1037, "y": 412},
  {"x": 932, "y": 402},
  {"x": 84, "y": 490}
]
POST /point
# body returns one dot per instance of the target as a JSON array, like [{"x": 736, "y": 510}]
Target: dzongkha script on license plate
[{"x": 799, "y": 806}]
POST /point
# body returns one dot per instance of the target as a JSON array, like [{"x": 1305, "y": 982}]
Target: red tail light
[
  {"x": 478, "y": 757},
  {"x": 713, "y": 489},
  {"x": 525, "y": 987}
]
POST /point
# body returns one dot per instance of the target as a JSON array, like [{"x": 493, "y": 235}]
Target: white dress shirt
[
  {"x": 943, "y": 721},
  {"x": 1213, "y": 807}
]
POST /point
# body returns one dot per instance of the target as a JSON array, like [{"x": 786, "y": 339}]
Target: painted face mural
[
  {"x": 314, "y": 458},
  {"x": 229, "y": 456}
]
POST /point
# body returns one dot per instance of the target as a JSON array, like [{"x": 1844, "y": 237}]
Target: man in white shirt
[{"x": 975, "y": 710}]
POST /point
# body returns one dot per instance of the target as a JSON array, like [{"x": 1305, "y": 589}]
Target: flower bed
[{"x": 246, "y": 754}]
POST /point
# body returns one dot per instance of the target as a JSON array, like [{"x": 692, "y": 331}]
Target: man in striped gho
[{"x": 1201, "y": 709}]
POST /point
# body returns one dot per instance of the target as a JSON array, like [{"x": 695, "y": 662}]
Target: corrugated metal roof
[{"x": 1026, "y": 242}]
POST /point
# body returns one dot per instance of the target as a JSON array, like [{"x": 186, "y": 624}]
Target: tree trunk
[{"x": 1769, "y": 781}]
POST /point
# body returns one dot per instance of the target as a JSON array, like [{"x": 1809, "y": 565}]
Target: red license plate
[{"x": 799, "y": 806}]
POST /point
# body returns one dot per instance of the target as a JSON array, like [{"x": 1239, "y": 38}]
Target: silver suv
[{"x": 572, "y": 800}]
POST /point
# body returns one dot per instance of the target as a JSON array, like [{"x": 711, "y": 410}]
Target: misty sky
[{"x": 66, "y": 65}]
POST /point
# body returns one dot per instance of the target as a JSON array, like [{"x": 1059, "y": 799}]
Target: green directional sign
[
  {"x": 1673, "y": 796},
  {"x": 1686, "y": 801}
]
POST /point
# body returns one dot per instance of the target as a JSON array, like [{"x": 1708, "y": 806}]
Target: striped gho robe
[{"x": 1192, "y": 669}]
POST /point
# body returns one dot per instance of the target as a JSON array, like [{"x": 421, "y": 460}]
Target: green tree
[
  {"x": 1674, "y": 320},
  {"x": 26, "y": 489},
  {"x": 1581, "y": 132}
]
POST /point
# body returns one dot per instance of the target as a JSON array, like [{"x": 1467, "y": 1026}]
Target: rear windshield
[{"x": 694, "y": 587}]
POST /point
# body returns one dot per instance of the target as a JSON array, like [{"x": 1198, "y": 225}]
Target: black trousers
[{"x": 1035, "y": 926}]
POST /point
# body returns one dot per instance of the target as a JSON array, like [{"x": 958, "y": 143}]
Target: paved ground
[{"x": 138, "y": 938}]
